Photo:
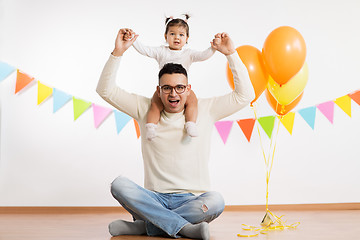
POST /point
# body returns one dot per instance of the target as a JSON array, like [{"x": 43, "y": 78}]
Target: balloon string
[
  {"x": 268, "y": 170},
  {"x": 258, "y": 129},
  {"x": 267, "y": 159},
  {"x": 277, "y": 223}
]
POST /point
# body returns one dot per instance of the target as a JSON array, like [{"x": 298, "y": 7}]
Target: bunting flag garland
[
  {"x": 60, "y": 98},
  {"x": 121, "y": 120},
  {"x": 247, "y": 126},
  {"x": 344, "y": 103},
  {"x": 267, "y": 123},
  {"x": 355, "y": 96},
  {"x": 100, "y": 114},
  {"x": 22, "y": 80},
  {"x": 5, "y": 70},
  {"x": 308, "y": 114},
  {"x": 43, "y": 92},
  {"x": 80, "y": 106},
  {"x": 327, "y": 108},
  {"x": 223, "y": 128},
  {"x": 288, "y": 121}
]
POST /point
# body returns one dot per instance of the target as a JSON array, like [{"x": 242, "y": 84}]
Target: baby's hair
[{"x": 170, "y": 22}]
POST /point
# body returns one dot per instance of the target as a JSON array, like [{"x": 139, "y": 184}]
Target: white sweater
[
  {"x": 173, "y": 161},
  {"x": 164, "y": 54}
]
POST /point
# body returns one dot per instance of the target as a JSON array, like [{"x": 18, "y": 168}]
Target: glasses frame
[{"x": 173, "y": 88}]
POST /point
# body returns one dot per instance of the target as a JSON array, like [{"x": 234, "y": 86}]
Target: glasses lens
[
  {"x": 166, "y": 89},
  {"x": 178, "y": 88}
]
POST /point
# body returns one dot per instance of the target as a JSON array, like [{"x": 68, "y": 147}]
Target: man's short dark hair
[{"x": 171, "y": 68}]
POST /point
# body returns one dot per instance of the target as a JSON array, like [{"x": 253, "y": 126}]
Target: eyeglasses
[{"x": 178, "y": 89}]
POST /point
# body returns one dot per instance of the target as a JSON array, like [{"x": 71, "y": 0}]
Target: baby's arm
[
  {"x": 198, "y": 56},
  {"x": 151, "y": 52}
]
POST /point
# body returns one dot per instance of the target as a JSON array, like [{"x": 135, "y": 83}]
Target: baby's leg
[
  {"x": 191, "y": 111},
  {"x": 153, "y": 116}
]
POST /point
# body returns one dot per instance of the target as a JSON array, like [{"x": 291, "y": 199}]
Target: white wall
[{"x": 48, "y": 159}]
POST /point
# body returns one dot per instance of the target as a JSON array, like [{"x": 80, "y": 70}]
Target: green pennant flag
[
  {"x": 80, "y": 106},
  {"x": 267, "y": 123}
]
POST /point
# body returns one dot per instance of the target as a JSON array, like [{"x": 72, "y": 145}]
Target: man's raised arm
[
  {"x": 243, "y": 92},
  {"x": 107, "y": 88}
]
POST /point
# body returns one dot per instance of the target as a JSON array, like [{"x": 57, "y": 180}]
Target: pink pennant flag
[
  {"x": 224, "y": 127},
  {"x": 327, "y": 108},
  {"x": 100, "y": 114}
]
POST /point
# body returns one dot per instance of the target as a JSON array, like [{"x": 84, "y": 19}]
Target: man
[{"x": 176, "y": 200}]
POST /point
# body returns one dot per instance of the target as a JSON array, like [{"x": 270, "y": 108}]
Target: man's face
[{"x": 173, "y": 102}]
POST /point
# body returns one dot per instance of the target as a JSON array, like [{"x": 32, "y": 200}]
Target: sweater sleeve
[
  {"x": 198, "y": 56},
  {"x": 122, "y": 100},
  {"x": 242, "y": 94},
  {"x": 151, "y": 52}
]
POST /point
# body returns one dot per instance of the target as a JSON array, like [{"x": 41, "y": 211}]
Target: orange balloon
[
  {"x": 281, "y": 109},
  {"x": 284, "y": 53},
  {"x": 253, "y": 61}
]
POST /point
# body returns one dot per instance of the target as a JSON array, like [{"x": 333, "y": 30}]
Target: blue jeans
[{"x": 166, "y": 213}]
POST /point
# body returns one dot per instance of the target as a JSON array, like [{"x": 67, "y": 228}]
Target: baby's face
[{"x": 176, "y": 37}]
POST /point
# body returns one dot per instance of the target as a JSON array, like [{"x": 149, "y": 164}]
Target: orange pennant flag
[
  {"x": 22, "y": 80},
  {"x": 355, "y": 96},
  {"x": 288, "y": 121},
  {"x": 137, "y": 128},
  {"x": 247, "y": 126},
  {"x": 344, "y": 103}
]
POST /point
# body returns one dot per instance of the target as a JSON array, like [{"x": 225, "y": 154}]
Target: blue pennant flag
[
  {"x": 5, "y": 70},
  {"x": 308, "y": 114},
  {"x": 121, "y": 120},
  {"x": 60, "y": 99}
]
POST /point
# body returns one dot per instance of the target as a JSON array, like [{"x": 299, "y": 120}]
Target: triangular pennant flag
[
  {"x": 327, "y": 108},
  {"x": 288, "y": 121},
  {"x": 137, "y": 128},
  {"x": 80, "y": 106},
  {"x": 224, "y": 127},
  {"x": 43, "y": 92},
  {"x": 60, "y": 98},
  {"x": 5, "y": 70},
  {"x": 121, "y": 120},
  {"x": 22, "y": 80},
  {"x": 344, "y": 103},
  {"x": 267, "y": 123},
  {"x": 308, "y": 114},
  {"x": 355, "y": 96},
  {"x": 100, "y": 114},
  {"x": 247, "y": 126}
]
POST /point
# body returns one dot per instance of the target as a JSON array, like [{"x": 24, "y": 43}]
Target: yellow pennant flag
[
  {"x": 43, "y": 92},
  {"x": 344, "y": 103},
  {"x": 288, "y": 121}
]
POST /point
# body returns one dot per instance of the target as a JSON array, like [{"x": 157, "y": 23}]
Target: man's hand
[
  {"x": 223, "y": 43},
  {"x": 124, "y": 40}
]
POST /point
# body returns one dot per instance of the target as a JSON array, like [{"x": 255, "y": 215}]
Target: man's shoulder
[{"x": 204, "y": 102}]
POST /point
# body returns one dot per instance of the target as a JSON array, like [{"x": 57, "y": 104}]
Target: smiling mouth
[{"x": 173, "y": 103}]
